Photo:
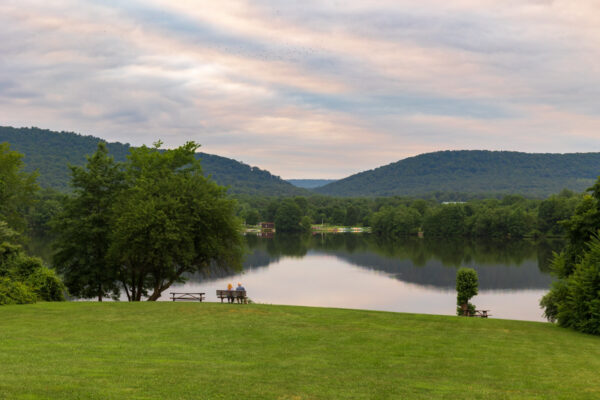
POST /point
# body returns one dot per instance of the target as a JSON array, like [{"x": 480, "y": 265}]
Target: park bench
[
  {"x": 187, "y": 296},
  {"x": 232, "y": 295}
]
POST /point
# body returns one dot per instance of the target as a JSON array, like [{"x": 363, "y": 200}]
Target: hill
[
  {"x": 310, "y": 183},
  {"x": 166, "y": 350},
  {"x": 50, "y": 153},
  {"x": 473, "y": 172}
]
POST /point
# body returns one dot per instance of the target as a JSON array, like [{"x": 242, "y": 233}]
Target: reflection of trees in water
[
  {"x": 506, "y": 264},
  {"x": 500, "y": 264}
]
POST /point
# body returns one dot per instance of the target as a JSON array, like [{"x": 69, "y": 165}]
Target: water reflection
[
  {"x": 501, "y": 265},
  {"x": 411, "y": 275},
  {"x": 363, "y": 271}
]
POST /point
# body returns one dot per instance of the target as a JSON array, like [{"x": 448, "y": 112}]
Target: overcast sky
[{"x": 308, "y": 89}]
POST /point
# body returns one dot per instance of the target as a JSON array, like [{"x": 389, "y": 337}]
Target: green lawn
[{"x": 221, "y": 351}]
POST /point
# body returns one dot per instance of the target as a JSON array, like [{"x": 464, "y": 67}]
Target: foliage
[
  {"x": 84, "y": 226},
  {"x": 574, "y": 300},
  {"x": 46, "y": 284},
  {"x": 447, "y": 220},
  {"x": 24, "y": 279},
  {"x": 50, "y": 152},
  {"x": 474, "y": 172},
  {"x": 143, "y": 224},
  {"x": 15, "y": 292},
  {"x": 170, "y": 220},
  {"x": 16, "y": 188},
  {"x": 467, "y": 285},
  {"x": 392, "y": 217},
  {"x": 288, "y": 217},
  {"x": 395, "y": 222}
]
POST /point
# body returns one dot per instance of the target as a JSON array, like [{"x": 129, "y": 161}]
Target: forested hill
[
  {"x": 473, "y": 172},
  {"x": 50, "y": 153}
]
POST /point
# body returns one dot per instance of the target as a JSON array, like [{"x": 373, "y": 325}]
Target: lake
[{"x": 411, "y": 275}]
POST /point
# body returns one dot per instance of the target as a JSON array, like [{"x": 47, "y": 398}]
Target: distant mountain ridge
[
  {"x": 50, "y": 152},
  {"x": 473, "y": 171},
  {"x": 310, "y": 183}
]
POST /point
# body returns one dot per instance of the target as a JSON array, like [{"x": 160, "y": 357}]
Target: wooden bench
[
  {"x": 187, "y": 296},
  {"x": 232, "y": 295}
]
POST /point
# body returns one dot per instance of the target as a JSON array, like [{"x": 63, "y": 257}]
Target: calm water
[{"x": 413, "y": 275}]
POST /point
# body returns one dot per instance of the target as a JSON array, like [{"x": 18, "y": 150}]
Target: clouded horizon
[{"x": 310, "y": 89}]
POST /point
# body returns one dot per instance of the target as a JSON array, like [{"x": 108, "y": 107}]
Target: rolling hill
[
  {"x": 473, "y": 172},
  {"x": 50, "y": 153}
]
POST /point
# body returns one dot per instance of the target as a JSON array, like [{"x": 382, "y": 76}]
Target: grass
[{"x": 171, "y": 350}]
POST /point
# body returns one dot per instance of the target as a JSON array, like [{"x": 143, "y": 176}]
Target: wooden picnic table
[
  {"x": 186, "y": 296},
  {"x": 482, "y": 313}
]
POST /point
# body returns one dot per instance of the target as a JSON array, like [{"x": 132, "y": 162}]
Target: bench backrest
[{"x": 231, "y": 293}]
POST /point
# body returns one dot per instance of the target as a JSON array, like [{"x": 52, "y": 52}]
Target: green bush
[
  {"x": 13, "y": 292},
  {"x": 47, "y": 285},
  {"x": 466, "y": 287}
]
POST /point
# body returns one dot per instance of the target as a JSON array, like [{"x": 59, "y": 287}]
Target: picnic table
[
  {"x": 187, "y": 296},
  {"x": 232, "y": 296},
  {"x": 482, "y": 313}
]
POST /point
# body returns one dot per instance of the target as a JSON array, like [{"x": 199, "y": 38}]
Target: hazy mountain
[
  {"x": 310, "y": 183},
  {"x": 50, "y": 153},
  {"x": 475, "y": 171}
]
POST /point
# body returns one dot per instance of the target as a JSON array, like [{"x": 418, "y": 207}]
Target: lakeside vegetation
[
  {"x": 393, "y": 217},
  {"x": 213, "y": 351}
]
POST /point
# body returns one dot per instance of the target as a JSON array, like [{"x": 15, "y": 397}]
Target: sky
[{"x": 308, "y": 89}]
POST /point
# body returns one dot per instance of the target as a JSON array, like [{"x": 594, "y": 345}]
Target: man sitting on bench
[{"x": 240, "y": 288}]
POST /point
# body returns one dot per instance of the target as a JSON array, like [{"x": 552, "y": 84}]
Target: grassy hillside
[
  {"x": 50, "y": 152},
  {"x": 485, "y": 172},
  {"x": 219, "y": 351}
]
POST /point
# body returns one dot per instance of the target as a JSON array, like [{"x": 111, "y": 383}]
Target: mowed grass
[{"x": 221, "y": 351}]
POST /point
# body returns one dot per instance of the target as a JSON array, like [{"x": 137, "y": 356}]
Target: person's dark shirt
[{"x": 240, "y": 288}]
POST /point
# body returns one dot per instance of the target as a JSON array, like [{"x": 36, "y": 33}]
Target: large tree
[
  {"x": 84, "y": 226},
  {"x": 169, "y": 221}
]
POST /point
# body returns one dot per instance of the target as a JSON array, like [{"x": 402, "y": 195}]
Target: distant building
[{"x": 267, "y": 228}]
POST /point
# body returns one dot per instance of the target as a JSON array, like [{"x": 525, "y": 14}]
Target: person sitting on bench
[
  {"x": 230, "y": 296},
  {"x": 240, "y": 288}
]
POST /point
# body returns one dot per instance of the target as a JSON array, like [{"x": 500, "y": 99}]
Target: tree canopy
[
  {"x": 574, "y": 299},
  {"x": 144, "y": 224}
]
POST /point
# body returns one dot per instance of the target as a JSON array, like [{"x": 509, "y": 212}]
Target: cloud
[{"x": 307, "y": 89}]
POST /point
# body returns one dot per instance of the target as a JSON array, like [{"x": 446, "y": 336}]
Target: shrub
[
  {"x": 46, "y": 285},
  {"x": 13, "y": 292},
  {"x": 466, "y": 287}
]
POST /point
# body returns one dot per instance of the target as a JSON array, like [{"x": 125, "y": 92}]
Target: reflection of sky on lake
[{"x": 330, "y": 281}]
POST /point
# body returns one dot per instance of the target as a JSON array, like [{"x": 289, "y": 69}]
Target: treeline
[{"x": 391, "y": 217}]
